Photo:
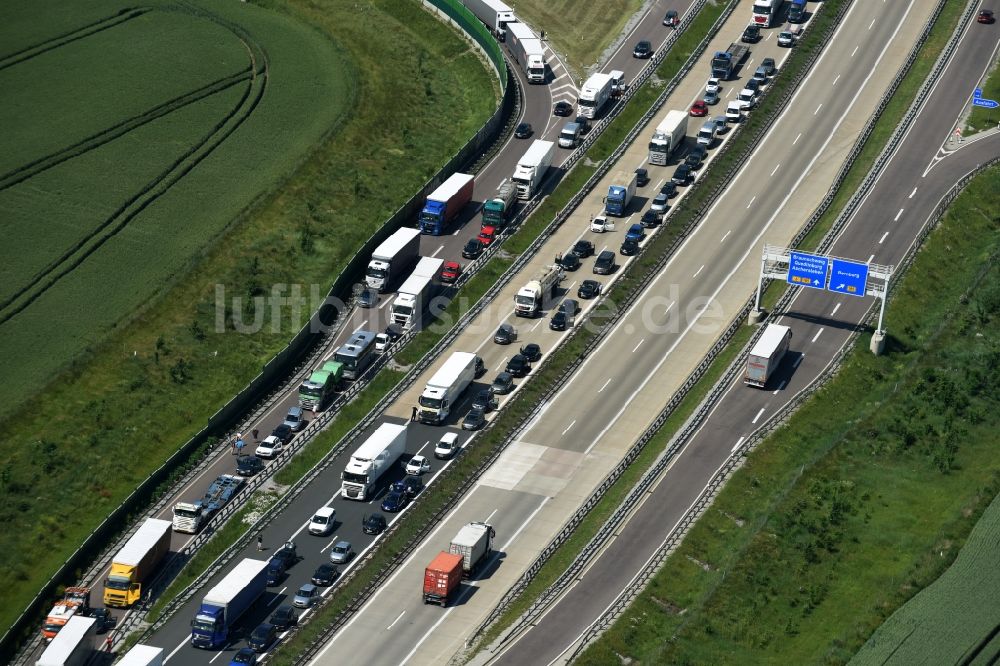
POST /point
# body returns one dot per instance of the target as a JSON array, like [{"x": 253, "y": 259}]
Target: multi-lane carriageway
[
  {"x": 537, "y": 106},
  {"x": 534, "y": 517}
]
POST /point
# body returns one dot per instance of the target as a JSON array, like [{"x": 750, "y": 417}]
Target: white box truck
[
  {"x": 594, "y": 94},
  {"x": 529, "y": 299},
  {"x": 415, "y": 294},
  {"x": 372, "y": 459},
  {"x": 495, "y": 14},
  {"x": 474, "y": 542},
  {"x": 766, "y": 354},
  {"x": 393, "y": 258},
  {"x": 527, "y": 50},
  {"x": 532, "y": 166},
  {"x": 74, "y": 645},
  {"x": 445, "y": 388},
  {"x": 142, "y": 655},
  {"x": 667, "y": 136}
]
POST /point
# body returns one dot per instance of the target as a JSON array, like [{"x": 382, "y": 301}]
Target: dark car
[
  {"x": 985, "y": 16},
  {"x": 671, "y": 19},
  {"x": 505, "y": 334},
  {"x": 641, "y": 177},
  {"x": 249, "y": 465},
  {"x": 752, "y": 84},
  {"x": 682, "y": 174},
  {"x": 484, "y": 400},
  {"x": 650, "y": 219},
  {"x": 276, "y": 568},
  {"x": 395, "y": 501},
  {"x": 670, "y": 189},
  {"x": 569, "y": 262},
  {"x": 368, "y": 297},
  {"x": 696, "y": 157},
  {"x": 244, "y": 657},
  {"x": 636, "y": 232},
  {"x": 559, "y": 321},
  {"x": 523, "y": 130},
  {"x": 769, "y": 67},
  {"x": 589, "y": 289},
  {"x": 751, "y": 34},
  {"x": 605, "y": 264},
  {"x": 324, "y": 576},
  {"x": 643, "y": 49},
  {"x": 562, "y": 109},
  {"x": 531, "y": 351},
  {"x": 474, "y": 420},
  {"x": 394, "y": 332},
  {"x": 518, "y": 365},
  {"x": 411, "y": 484},
  {"x": 583, "y": 249},
  {"x": 472, "y": 249},
  {"x": 284, "y": 433},
  {"x": 450, "y": 272},
  {"x": 503, "y": 384},
  {"x": 286, "y": 617},
  {"x": 584, "y": 123},
  {"x": 629, "y": 248},
  {"x": 372, "y": 524},
  {"x": 103, "y": 619},
  {"x": 262, "y": 637}
]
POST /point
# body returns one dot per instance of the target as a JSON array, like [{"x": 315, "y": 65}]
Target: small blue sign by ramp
[
  {"x": 985, "y": 103},
  {"x": 807, "y": 270},
  {"x": 848, "y": 277},
  {"x": 977, "y": 93}
]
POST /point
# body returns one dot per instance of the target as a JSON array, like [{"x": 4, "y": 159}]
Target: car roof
[
  {"x": 325, "y": 511},
  {"x": 607, "y": 254}
]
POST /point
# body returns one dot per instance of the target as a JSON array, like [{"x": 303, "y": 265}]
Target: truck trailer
[
  {"x": 766, "y": 354},
  {"x": 372, "y": 459},
  {"x": 441, "y": 578},
  {"x": 142, "y": 655},
  {"x": 529, "y": 299},
  {"x": 474, "y": 543},
  {"x": 594, "y": 94},
  {"x": 532, "y": 166},
  {"x": 527, "y": 50},
  {"x": 620, "y": 192},
  {"x": 135, "y": 563},
  {"x": 495, "y": 14},
  {"x": 498, "y": 210},
  {"x": 393, "y": 258},
  {"x": 446, "y": 202},
  {"x": 725, "y": 63},
  {"x": 74, "y": 646},
  {"x": 445, "y": 388},
  {"x": 667, "y": 136},
  {"x": 190, "y": 517},
  {"x": 415, "y": 294},
  {"x": 226, "y": 603}
]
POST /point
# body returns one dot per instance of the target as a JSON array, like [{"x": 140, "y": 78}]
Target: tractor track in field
[{"x": 256, "y": 75}]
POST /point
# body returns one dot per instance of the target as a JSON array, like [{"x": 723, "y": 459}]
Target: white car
[
  {"x": 600, "y": 223},
  {"x": 786, "y": 39},
  {"x": 322, "y": 522},
  {"x": 270, "y": 447},
  {"x": 447, "y": 447},
  {"x": 418, "y": 465},
  {"x": 713, "y": 86}
]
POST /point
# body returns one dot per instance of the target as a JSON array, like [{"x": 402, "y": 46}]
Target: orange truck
[
  {"x": 75, "y": 601},
  {"x": 442, "y": 577}
]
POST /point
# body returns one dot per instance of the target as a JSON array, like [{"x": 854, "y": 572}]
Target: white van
[
  {"x": 447, "y": 447},
  {"x": 322, "y": 522},
  {"x": 747, "y": 99},
  {"x": 706, "y": 135},
  {"x": 734, "y": 111}
]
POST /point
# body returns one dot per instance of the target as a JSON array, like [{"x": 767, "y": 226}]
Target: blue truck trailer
[{"x": 225, "y": 603}]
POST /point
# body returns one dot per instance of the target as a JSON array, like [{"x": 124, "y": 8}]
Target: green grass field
[
  {"x": 844, "y": 514},
  {"x": 955, "y": 617},
  {"x": 128, "y": 400}
]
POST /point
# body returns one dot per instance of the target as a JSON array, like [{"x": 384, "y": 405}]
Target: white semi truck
[
  {"x": 531, "y": 168},
  {"x": 415, "y": 294},
  {"x": 594, "y": 94},
  {"x": 529, "y": 299},
  {"x": 372, "y": 459},
  {"x": 667, "y": 136},
  {"x": 445, "y": 388},
  {"x": 74, "y": 645},
  {"x": 528, "y": 51},
  {"x": 142, "y": 655},
  {"x": 766, "y": 354},
  {"x": 495, "y": 14},
  {"x": 393, "y": 258}
]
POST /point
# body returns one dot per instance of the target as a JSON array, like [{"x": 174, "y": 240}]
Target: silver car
[
  {"x": 342, "y": 552},
  {"x": 306, "y": 596}
]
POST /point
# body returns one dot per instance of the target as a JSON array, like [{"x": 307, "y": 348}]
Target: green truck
[
  {"x": 498, "y": 210},
  {"x": 315, "y": 391}
]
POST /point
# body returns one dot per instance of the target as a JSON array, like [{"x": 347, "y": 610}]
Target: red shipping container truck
[{"x": 442, "y": 577}]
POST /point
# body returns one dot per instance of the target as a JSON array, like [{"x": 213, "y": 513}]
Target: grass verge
[{"x": 857, "y": 503}]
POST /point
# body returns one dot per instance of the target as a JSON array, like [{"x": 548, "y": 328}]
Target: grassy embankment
[{"x": 118, "y": 414}]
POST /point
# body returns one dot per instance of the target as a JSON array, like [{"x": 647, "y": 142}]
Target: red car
[
  {"x": 450, "y": 271},
  {"x": 985, "y": 16},
  {"x": 699, "y": 109},
  {"x": 487, "y": 234}
]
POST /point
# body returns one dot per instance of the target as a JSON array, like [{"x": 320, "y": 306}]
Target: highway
[
  {"x": 563, "y": 455},
  {"x": 920, "y": 172},
  {"x": 536, "y": 110}
]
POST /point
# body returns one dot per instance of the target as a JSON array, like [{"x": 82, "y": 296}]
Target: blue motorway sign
[
  {"x": 848, "y": 277},
  {"x": 977, "y": 93},
  {"x": 807, "y": 270},
  {"x": 985, "y": 103}
]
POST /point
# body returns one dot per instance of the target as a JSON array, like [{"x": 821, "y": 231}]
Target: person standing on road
[
  {"x": 255, "y": 433},
  {"x": 413, "y": 414},
  {"x": 260, "y": 542}
]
